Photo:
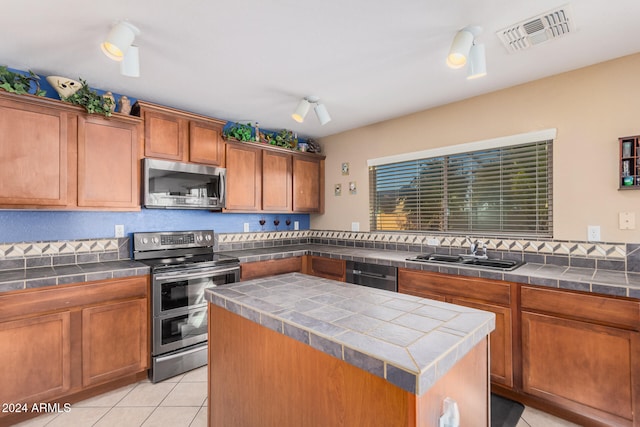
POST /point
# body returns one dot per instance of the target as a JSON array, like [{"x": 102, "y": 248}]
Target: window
[{"x": 500, "y": 190}]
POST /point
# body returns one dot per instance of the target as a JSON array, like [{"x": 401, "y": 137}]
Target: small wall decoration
[
  {"x": 352, "y": 188},
  {"x": 64, "y": 86},
  {"x": 337, "y": 190},
  {"x": 345, "y": 168}
]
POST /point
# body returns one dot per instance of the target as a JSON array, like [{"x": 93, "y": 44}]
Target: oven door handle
[{"x": 199, "y": 273}]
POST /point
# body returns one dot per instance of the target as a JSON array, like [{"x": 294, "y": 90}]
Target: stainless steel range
[{"x": 183, "y": 264}]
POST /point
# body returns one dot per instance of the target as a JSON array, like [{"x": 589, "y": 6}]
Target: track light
[
  {"x": 303, "y": 108},
  {"x": 322, "y": 114},
  {"x": 130, "y": 65},
  {"x": 119, "y": 40},
  {"x": 477, "y": 62},
  {"x": 460, "y": 48}
]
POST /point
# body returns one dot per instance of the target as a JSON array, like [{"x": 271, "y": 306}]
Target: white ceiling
[{"x": 252, "y": 60}]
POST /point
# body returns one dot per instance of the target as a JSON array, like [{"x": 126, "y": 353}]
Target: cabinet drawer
[
  {"x": 587, "y": 307},
  {"x": 412, "y": 282},
  {"x": 54, "y": 298}
]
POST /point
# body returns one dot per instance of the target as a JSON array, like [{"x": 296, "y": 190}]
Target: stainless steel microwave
[{"x": 175, "y": 185}]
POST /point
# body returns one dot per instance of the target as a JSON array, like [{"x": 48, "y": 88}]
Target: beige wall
[{"x": 590, "y": 108}]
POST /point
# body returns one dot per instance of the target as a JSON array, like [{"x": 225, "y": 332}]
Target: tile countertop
[
  {"x": 607, "y": 282},
  {"x": 38, "y": 277},
  {"x": 409, "y": 341}
]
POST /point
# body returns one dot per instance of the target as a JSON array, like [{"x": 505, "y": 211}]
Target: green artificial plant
[
  {"x": 239, "y": 131},
  {"x": 90, "y": 100},
  {"x": 19, "y": 83},
  {"x": 284, "y": 138}
]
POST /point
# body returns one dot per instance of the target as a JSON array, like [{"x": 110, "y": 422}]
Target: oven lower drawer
[
  {"x": 179, "y": 330},
  {"x": 178, "y": 362}
]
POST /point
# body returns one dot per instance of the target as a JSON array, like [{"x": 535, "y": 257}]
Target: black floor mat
[{"x": 505, "y": 412}]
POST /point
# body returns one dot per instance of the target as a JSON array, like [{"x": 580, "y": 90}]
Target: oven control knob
[
  {"x": 208, "y": 237},
  {"x": 145, "y": 240},
  {"x": 155, "y": 240}
]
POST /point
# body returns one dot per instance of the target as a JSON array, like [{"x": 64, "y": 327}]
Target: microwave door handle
[{"x": 222, "y": 188}]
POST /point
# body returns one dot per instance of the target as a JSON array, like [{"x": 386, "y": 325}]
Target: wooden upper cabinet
[
  {"x": 308, "y": 184},
  {"x": 277, "y": 192},
  {"x": 178, "y": 135},
  {"x": 244, "y": 178},
  {"x": 205, "y": 142},
  {"x": 165, "y": 136},
  {"x": 108, "y": 162},
  {"x": 37, "y": 152}
]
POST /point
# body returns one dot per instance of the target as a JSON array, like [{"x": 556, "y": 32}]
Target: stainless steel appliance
[
  {"x": 372, "y": 275},
  {"x": 183, "y": 264},
  {"x": 175, "y": 185}
]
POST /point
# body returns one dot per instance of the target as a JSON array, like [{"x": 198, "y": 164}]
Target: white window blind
[{"x": 504, "y": 190}]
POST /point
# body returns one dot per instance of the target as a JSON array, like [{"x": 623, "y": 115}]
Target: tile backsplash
[{"x": 601, "y": 255}]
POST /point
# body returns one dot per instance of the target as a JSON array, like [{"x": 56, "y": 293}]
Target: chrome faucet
[{"x": 475, "y": 246}]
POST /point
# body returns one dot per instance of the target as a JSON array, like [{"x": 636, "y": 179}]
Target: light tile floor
[{"x": 178, "y": 402}]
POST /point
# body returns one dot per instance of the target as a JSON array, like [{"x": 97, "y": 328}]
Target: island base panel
[{"x": 261, "y": 377}]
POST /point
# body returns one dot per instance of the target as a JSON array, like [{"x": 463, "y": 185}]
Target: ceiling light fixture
[
  {"x": 119, "y": 40},
  {"x": 477, "y": 62},
  {"x": 464, "y": 49},
  {"x": 303, "y": 108},
  {"x": 130, "y": 65}
]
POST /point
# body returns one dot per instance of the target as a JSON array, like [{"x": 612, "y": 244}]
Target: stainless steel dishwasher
[{"x": 373, "y": 275}]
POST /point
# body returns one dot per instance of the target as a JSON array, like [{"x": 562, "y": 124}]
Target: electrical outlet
[
  {"x": 627, "y": 221},
  {"x": 355, "y": 226},
  {"x": 119, "y": 230},
  {"x": 433, "y": 242},
  {"x": 246, "y": 227},
  {"x": 296, "y": 225},
  {"x": 593, "y": 233}
]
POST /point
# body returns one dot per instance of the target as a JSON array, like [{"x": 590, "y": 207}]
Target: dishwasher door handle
[{"x": 368, "y": 274}]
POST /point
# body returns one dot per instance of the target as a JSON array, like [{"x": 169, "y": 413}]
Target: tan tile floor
[{"x": 178, "y": 402}]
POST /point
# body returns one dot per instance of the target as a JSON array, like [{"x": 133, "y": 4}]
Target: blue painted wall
[{"x": 30, "y": 226}]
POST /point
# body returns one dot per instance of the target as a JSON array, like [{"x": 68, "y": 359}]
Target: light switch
[{"x": 627, "y": 221}]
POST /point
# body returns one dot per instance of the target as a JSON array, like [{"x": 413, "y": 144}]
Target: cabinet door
[
  {"x": 244, "y": 178},
  {"x": 35, "y": 151},
  {"x": 328, "y": 268},
  {"x": 165, "y": 136},
  {"x": 35, "y": 361},
  {"x": 308, "y": 185},
  {"x": 114, "y": 340},
  {"x": 501, "y": 341},
  {"x": 276, "y": 182},
  {"x": 205, "y": 143},
  {"x": 108, "y": 167},
  {"x": 254, "y": 270},
  {"x": 580, "y": 366}
]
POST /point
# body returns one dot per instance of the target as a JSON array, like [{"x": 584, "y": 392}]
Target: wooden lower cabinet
[
  {"x": 579, "y": 360},
  {"x": 122, "y": 326},
  {"x": 329, "y": 268},
  {"x": 62, "y": 344},
  {"x": 257, "y": 269},
  {"x": 35, "y": 361},
  {"x": 474, "y": 292}
]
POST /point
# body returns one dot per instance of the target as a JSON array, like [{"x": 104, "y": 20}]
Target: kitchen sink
[{"x": 476, "y": 261}]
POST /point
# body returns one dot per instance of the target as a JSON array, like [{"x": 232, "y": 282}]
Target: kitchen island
[{"x": 294, "y": 350}]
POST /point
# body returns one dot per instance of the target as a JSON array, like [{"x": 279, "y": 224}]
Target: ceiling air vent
[{"x": 539, "y": 29}]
